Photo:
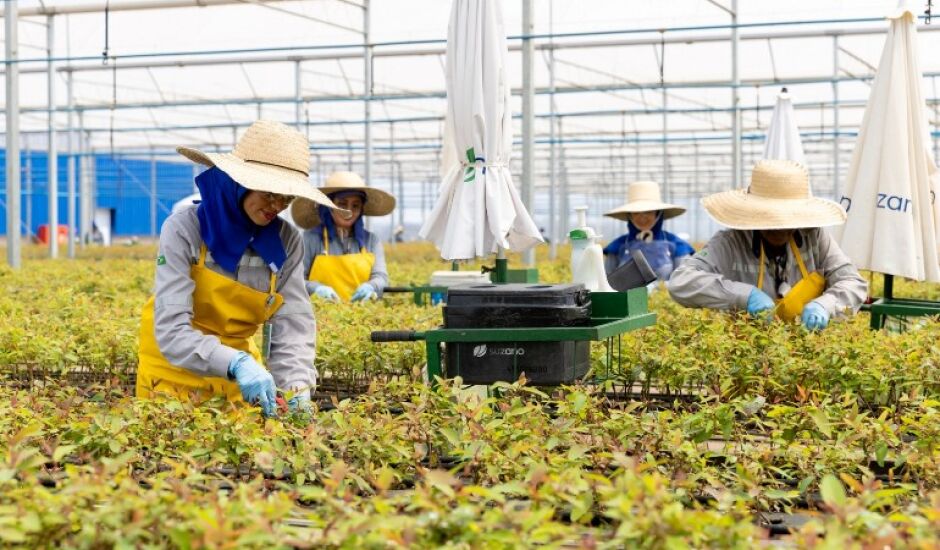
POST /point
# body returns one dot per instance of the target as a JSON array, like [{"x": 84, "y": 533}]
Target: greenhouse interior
[{"x": 470, "y": 274}]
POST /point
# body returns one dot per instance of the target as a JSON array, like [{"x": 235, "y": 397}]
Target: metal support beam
[
  {"x": 367, "y": 92},
  {"x": 153, "y": 196},
  {"x": 14, "y": 256},
  {"x": 52, "y": 158},
  {"x": 130, "y": 5},
  {"x": 735, "y": 108},
  {"x": 528, "y": 107},
  {"x": 298, "y": 95},
  {"x": 835, "y": 116},
  {"x": 70, "y": 208}
]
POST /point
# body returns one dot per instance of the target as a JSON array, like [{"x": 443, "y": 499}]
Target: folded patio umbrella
[
  {"x": 892, "y": 180},
  {"x": 479, "y": 209},
  {"x": 783, "y": 135}
]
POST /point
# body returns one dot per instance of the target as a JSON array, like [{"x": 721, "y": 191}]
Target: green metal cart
[{"x": 612, "y": 314}]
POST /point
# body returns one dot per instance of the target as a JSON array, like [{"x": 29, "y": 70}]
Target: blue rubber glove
[
  {"x": 256, "y": 383},
  {"x": 300, "y": 403},
  {"x": 365, "y": 292},
  {"x": 759, "y": 304},
  {"x": 815, "y": 317},
  {"x": 327, "y": 293}
]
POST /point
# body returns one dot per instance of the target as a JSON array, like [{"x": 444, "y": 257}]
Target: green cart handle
[{"x": 379, "y": 336}]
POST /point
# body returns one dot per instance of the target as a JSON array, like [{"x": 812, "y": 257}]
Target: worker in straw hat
[
  {"x": 645, "y": 213},
  {"x": 343, "y": 260},
  {"x": 776, "y": 259},
  {"x": 227, "y": 266}
]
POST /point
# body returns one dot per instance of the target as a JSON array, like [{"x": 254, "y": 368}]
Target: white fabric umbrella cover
[
  {"x": 892, "y": 181},
  {"x": 783, "y": 135},
  {"x": 479, "y": 209}
]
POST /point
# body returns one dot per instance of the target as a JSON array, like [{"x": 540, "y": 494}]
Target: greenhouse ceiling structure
[{"x": 679, "y": 92}]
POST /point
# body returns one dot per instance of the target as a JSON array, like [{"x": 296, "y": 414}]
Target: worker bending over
[{"x": 776, "y": 259}]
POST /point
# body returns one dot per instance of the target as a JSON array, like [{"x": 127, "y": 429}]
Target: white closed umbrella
[
  {"x": 783, "y": 135},
  {"x": 892, "y": 180},
  {"x": 479, "y": 209}
]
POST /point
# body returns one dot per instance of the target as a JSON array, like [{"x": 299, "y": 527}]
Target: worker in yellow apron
[
  {"x": 343, "y": 260},
  {"x": 226, "y": 268},
  {"x": 778, "y": 213}
]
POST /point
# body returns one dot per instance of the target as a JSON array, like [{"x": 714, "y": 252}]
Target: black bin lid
[{"x": 518, "y": 294}]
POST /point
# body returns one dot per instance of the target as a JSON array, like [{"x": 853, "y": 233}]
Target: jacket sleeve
[
  {"x": 846, "y": 289},
  {"x": 701, "y": 281},
  {"x": 311, "y": 247},
  {"x": 293, "y": 328},
  {"x": 378, "y": 278},
  {"x": 179, "y": 342}
]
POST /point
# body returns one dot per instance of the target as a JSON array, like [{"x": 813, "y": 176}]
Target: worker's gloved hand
[
  {"x": 365, "y": 292},
  {"x": 815, "y": 316},
  {"x": 759, "y": 304},
  {"x": 256, "y": 383},
  {"x": 300, "y": 403},
  {"x": 327, "y": 293}
]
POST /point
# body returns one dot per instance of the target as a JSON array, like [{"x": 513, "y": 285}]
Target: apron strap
[
  {"x": 799, "y": 258},
  {"x": 796, "y": 254},
  {"x": 202, "y": 255},
  {"x": 760, "y": 270},
  {"x": 326, "y": 243}
]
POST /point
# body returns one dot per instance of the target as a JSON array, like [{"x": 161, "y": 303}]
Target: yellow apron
[
  {"x": 810, "y": 287},
  {"x": 222, "y": 307},
  {"x": 344, "y": 273}
]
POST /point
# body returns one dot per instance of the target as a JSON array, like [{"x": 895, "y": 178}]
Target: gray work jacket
[
  {"x": 313, "y": 247},
  {"x": 293, "y": 336},
  {"x": 722, "y": 274}
]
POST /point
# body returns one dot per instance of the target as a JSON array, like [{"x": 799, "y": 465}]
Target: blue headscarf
[
  {"x": 226, "y": 228},
  {"x": 326, "y": 219}
]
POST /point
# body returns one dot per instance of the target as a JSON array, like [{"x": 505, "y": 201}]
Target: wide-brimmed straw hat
[
  {"x": 378, "y": 202},
  {"x": 270, "y": 157},
  {"x": 643, "y": 196},
  {"x": 778, "y": 197}
]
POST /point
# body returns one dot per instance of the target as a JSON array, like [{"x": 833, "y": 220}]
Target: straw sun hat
[
  {"x": 378, "y": 202},
  {"x": 270, "y": 157},
  {"x": 643, "y": 196},
  {"x": 777, "y": 198}
]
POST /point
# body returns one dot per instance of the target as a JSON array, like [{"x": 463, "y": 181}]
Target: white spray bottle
[{"x": 587, "y": 256}]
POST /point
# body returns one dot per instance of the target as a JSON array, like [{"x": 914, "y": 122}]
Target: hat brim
[
  {"x": 260, "y": 177},
  {"x": 623, "y": 211},
  {"x": 378, "y": 203},
  {"x": 739, "y": 210}
]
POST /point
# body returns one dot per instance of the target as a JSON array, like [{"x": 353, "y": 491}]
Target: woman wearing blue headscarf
[
  {"x": 228, "y": 266},
  {"x": 644, "y": 213},
  {"x": 344, "y": 261}
]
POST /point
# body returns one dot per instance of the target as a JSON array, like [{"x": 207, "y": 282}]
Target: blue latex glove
[
  {"x": 300, "y": 403},
  {"x": 365, "y": 292},
  {"x": 327, "y": 293},
  {"x": 256, "y": 383},
  {"x": 759, "y": 304},
  {"x": 815, "y": 317}
]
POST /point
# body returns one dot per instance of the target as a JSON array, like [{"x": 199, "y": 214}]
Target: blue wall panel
[{"x": 122, "y": 184}]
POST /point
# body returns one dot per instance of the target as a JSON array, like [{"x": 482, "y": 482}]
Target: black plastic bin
[{"x": 518, "y": 306}]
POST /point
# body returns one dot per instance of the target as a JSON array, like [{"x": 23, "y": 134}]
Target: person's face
[
  {"x": 644, "y": 221},
  {"x": 262, "y": 207},
  {"x": 353, "y": 204},
  {"x": 777, "y": 237}
]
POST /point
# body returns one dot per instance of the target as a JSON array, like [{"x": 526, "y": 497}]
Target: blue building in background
[{"x": 122, "y": 184}]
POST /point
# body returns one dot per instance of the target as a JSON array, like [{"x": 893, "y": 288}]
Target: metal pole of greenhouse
[
  {"x": 52, "y": 159},
  {"x": 736, "y": 109},
  {"x": 14, "y": 246},
  {"x": 528, "y": 105}
]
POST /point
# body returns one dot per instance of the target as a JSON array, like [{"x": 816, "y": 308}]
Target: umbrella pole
[
  {"x": 889, "y": 286},
  {"x": 502, "y": 266}
]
